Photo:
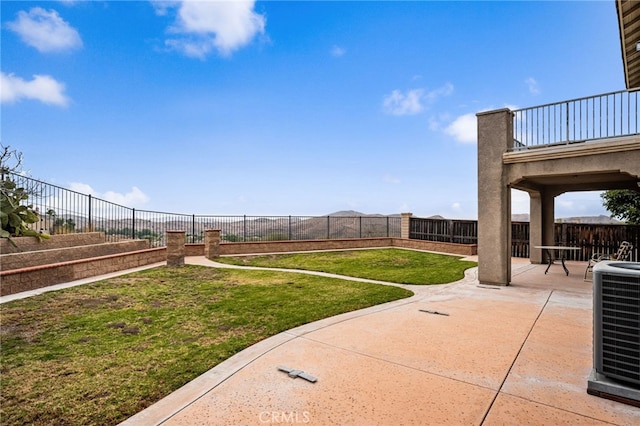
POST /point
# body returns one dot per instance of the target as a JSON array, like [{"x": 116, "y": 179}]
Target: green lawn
[
  {"x": 98, "y": 353},
  {"x": 392, "y": 265}
]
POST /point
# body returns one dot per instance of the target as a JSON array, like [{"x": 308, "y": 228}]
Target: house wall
[{"x": 544, "y": 173}]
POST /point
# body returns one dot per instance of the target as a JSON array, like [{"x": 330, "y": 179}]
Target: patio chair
[{"x": 622, "y": 254}]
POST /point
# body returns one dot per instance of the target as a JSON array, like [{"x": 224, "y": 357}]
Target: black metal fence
[
  {"x": 591, "y": 238},
  {"x": 63, "y": 211}
]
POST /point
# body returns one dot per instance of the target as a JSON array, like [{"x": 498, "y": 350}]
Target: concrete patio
[{"x": 494, "y": 355}]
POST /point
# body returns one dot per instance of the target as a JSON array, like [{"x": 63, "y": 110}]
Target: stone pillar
[
  {"x": 404, "y": 225},
  {"x": 175, "y": 248},
  {"x": 211, "y": 243},
  {"x": 495, "y": 137}
]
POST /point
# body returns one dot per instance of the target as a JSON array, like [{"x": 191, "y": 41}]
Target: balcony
[{"x": 600, "y": 117}]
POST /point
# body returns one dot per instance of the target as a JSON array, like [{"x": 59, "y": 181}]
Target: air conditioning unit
[{"x": 616, "y": 331}]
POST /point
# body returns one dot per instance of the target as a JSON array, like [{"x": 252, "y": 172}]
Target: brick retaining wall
[
  {"x": 26, "y": 244},
  {"x": 309, "y": 245},
  {"x": 18, "y": 280},
  {"x": 303, "y": 245},
  {"x": 33, "y": 277},
  {"x": 65, "y": 254},
  {"x": 194, "y": 249}
]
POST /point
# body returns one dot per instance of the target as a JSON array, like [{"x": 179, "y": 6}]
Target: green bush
[{"x": 15, "y": 216}]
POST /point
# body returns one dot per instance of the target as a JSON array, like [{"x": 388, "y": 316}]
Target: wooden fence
[{"x": 591, "y": 238}]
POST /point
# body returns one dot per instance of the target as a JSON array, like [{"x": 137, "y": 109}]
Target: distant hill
[
  {"x": 601, "y": 219},
  {"x": 519, "y": 217},
  {"x": 353, "y": 213},
  {"x": 350, "y": 213}
]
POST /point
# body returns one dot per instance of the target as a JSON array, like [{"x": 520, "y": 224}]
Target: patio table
[{"x": 561, "y": 255}]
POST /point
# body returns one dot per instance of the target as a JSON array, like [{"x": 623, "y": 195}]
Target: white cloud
[
  {"x": 436, "y": 94},
  {"x": 435, "y": 122},
  {"x": 397, "y": 103},
  {"x": 82, "y": 188},
  {"x": 42, "y": 88},
  {"x": 133, "y": 198},
  {"x": 204, "y": 26},
  {"x": 45, "y": 30},
  {"x": 337, "y": 51},
  {"x": 464, "y": 128},
  {"x": 533, "y": 86},
  {"x": 413, "y": 101}
]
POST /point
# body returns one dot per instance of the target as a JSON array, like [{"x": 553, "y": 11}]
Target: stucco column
[
  {"x": 404, "y": 225},
  {"x": 211, "y": 243},
  {"x": 548, "y": 218},
  {"x": 495, "y": 137},
  {"x": 175, "y": 248},
  {"x": 535, "y": 227}
]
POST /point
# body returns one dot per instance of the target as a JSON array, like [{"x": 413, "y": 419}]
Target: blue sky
[{"x": 282, "y": 107}]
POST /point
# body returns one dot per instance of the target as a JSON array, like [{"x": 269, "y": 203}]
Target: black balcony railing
[{"x": 603, "y": 116}]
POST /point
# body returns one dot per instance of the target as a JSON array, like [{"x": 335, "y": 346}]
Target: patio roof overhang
[
  {"x": 561, "y": 183},
  {"x": 629, "y": 25}
]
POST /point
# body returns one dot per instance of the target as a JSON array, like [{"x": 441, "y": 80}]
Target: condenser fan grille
[{"x": 620, "y": 322}]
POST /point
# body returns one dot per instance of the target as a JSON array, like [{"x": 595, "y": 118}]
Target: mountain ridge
[{"x": 518, "y": 217}]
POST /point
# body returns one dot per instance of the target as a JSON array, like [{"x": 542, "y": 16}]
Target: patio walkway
[{"x": 496, "y": 355}]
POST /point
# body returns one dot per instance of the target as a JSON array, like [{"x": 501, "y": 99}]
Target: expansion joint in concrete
[{"x": 515, "y": 359}]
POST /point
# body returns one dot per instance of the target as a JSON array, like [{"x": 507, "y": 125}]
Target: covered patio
[{"x": 585, "y": 144}]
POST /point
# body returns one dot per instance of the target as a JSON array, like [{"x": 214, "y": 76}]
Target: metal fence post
[
  {"x": 90, "y": 222},
  {"x": 193, "y": 228},
  {"x": 133, "y": 224},
  {"x": 244, "y": 228},
  {"x": 328, "y": 226},
  {"x": 289, "y": 227}
]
